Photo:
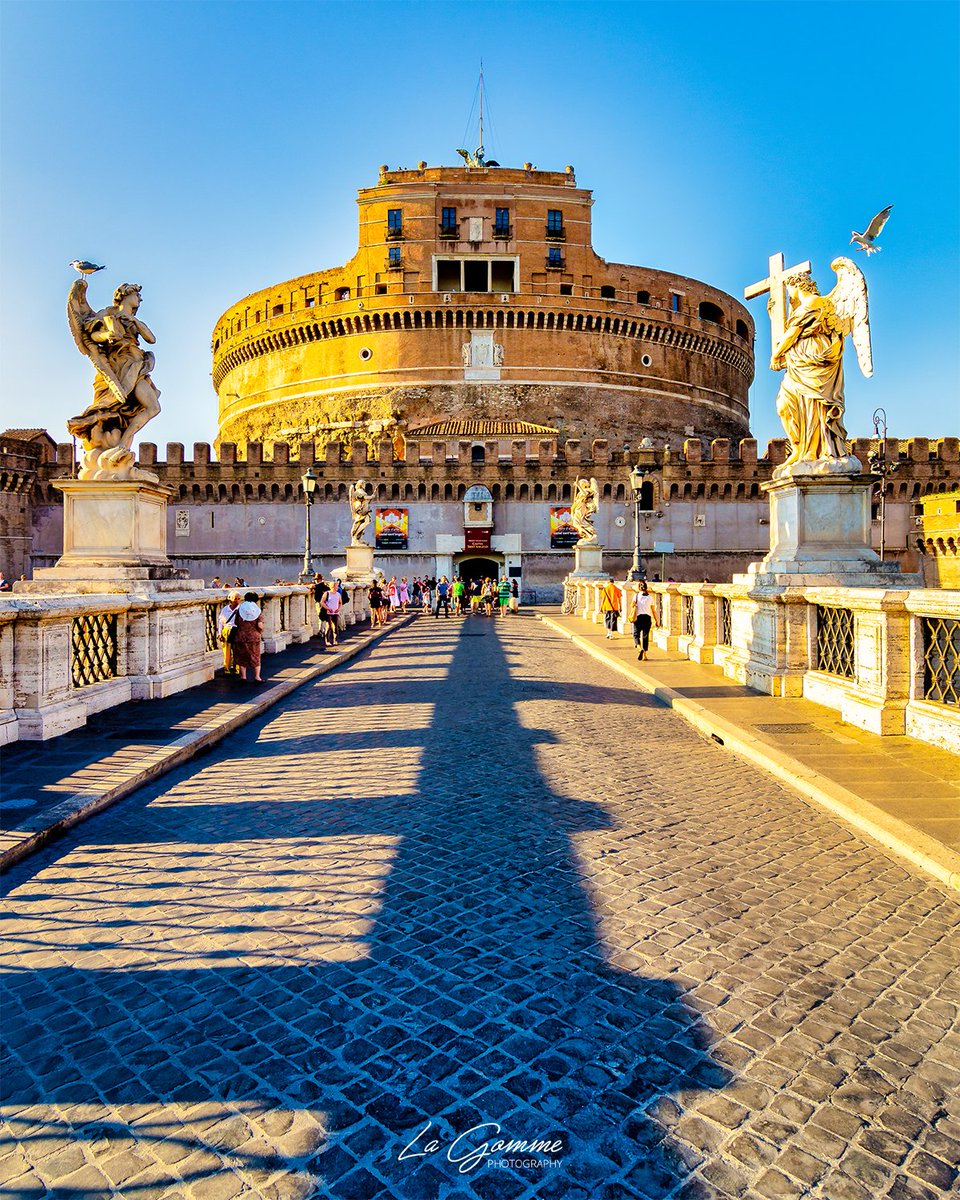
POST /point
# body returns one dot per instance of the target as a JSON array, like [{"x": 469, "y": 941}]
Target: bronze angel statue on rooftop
[
  {"x": 810, "y": 402},
  {"x": 125, "y": 398}
]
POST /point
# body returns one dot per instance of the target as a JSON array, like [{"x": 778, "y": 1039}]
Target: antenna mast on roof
[{"x": 480, "y": 146}]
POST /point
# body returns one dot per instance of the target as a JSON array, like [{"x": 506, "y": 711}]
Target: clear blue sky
[{"x": 206, "y": 150}]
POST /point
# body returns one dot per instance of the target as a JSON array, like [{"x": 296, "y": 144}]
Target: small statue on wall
[
  {"x": 125, "y": 398},
  {"x": 810, "y": 402},
  {"x": 360, "y": 508},
  {"x": 586, "y": 502}
]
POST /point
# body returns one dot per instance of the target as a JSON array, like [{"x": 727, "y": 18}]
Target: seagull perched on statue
[
  {"x": 866, "y": 239},
  {"x": 85, "y": 268}
]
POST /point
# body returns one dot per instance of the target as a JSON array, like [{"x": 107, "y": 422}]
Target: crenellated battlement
[{"x": 524, "y": 468}]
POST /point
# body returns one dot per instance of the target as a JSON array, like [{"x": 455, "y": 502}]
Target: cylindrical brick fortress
[{"x": 476, "y": 293}]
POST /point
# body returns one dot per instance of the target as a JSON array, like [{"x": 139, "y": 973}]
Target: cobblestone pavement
[{"x": 473, "y": 887}]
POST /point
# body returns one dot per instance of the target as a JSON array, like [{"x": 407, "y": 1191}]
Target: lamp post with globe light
[
  {"x": 309, "y": 482},
  {"x": 646, "y": 463}
]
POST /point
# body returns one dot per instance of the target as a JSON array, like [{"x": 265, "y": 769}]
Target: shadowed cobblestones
[{"x": 474, "y": 887}]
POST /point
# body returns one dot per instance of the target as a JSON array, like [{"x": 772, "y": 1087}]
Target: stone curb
[
  {"x": 918, "y": 848},
  {"x": 17, "y": 844}
]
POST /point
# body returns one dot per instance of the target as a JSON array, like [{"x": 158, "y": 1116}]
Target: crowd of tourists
[
  {"x": 240, "y": 621},
  {"x": 464, "y": 597}
]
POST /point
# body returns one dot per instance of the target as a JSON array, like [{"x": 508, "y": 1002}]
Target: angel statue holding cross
[{"x": 808, "y": 340}]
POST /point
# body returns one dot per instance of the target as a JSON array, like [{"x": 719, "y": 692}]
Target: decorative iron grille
[
  {"x": 941, "y": 660},
  {"x": 283, "y": 613},
  {"x": 725, "y": 632},
  {"x": 93, "y": 649},
  {"x": 835, "y": 647},
  {"x": 210, "y": 614},
  {"x": 689, "y": 629}
]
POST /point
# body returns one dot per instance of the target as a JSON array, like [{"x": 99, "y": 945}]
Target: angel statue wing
[
  {"x": 849, "y": 300},
  {"x": 79, "y": 317}
]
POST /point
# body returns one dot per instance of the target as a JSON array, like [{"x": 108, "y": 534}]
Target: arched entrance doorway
[{"x": 479, "y": 568}]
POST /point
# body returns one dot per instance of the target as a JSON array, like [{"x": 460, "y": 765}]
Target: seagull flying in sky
[
  {"x": 85, "y": 268},
  {"x": 866, "y": 239}
]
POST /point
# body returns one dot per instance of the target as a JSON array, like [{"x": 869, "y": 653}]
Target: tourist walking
[
  {"x": 514, "y": 596},
  {"x": 443, "y": 597},
  {"x": 248, "y": 638},
  {"x": 320, "y": 589},
  {"x": 459, "y": 590},
  {"x": 503, "y": 595},
  {"x": 227, "y": 630},
  {"x": 403, "y": 594},
  {"x": 330, "y": 607},
  {"x": 393, "y": 594},
  {"x": 610, "y": 600},
  {"x": 378, "y": 612},
  {"x": 643, "y": 616}
]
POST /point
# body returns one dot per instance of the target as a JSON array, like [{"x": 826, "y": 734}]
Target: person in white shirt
[
  {"x": 644, "y": 618},
  {"x": 330, "y": 605}
]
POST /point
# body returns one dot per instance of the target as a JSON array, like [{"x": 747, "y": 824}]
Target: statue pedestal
[
  {"x": 820, "y": 535},
  {"x": 588, "y": 562},
  {"x": 114, "y": 540},
  {"x": 819, "y": 538},
  {"x": 359, "y": 568}
]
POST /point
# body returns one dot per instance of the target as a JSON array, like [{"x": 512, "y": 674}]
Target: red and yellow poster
[
  {"x": 391, "y": 525},
  {"x": 563, "y": 534}
]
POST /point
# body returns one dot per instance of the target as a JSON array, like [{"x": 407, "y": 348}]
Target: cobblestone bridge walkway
[{"x": 475, "y": 887}]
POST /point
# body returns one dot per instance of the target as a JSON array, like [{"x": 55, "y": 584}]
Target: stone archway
[{"x": 479, "y": 567}]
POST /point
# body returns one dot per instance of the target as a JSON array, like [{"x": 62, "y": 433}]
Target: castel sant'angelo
[{"x": 470, "y": 361}]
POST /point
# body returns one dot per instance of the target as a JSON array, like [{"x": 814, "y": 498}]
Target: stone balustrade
[
  {"x": 888, "y": 660},
  {"x": 63, "y": 658}
]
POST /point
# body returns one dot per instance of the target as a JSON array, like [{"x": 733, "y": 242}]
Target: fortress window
[
  {"x": 555, "y": 223},
  {"x": 554, "y": 257},
  {"x": 607, "y": 292},
  {"x": 394, "y": 222},
  {"x": 478, "y": 454},
  {"x": 448, "y": 275},
  {"x": 501, "y": 224},
  {"x": 503, "y": 275},
  {"x": 342, "y": 294},
  {"x": 742, "y": 330},
  {"x": 309, "y": 302},
  {"x": 566, "y": 289},
  {"x": 394, "y": 256},
  {"x": 674, "y": 302},
  {"x": 476, "y": 276},
  {"x": 643, "y": 297},
  {"x": 448, "y": 222},
  {"x": 710, "y": 312},
  {"x": 380, "y": 289},
  {"x": 277, "y": 310}
]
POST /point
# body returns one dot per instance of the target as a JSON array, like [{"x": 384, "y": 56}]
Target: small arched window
[
  {"x": 742, "y": 330},
  {"x": 608, "y": 292},
  {"x": 710, "y": 312},
  {"x": 342, "y": 294},
  {"x": 478, "y": 454},
  {"x": 643, "y": 297}
]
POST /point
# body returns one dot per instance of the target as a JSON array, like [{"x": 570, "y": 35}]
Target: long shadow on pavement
[{"x": 395, "y": 941}]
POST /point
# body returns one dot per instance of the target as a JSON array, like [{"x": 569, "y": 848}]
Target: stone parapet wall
[
  {"x": 901, "y": 675},
  {"x": 63, "y": 658}
]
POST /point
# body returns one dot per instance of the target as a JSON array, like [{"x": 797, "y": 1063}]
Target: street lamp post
[
  {"x": 646, "y": 462},
  {"x": 309, "y": 481},
  {"x": 880, "y": 465}
]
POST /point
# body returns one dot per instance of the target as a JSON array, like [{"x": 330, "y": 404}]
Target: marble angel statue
[
  {"x": 586, "y": 502},
  {"x": 125, "y": 398},
  {"x": 360, "y": 509},
  {"x": 810, "y": 401}
]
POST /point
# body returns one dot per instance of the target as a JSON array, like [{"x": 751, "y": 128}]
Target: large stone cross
[{"x": 775, "y": 284}]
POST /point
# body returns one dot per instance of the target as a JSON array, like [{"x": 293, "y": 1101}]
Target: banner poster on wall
[
  {"x": 391, "y": 528},
  {"x": 563, "y": 533}
]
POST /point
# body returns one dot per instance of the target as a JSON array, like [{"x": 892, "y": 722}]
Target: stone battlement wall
[{"x": 513, "y": 468}]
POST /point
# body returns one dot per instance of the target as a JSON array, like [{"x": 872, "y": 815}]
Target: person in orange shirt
[{"x": 610, "y": 600}]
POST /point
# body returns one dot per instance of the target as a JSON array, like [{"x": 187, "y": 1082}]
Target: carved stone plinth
[
  {"x": 114, "y": 540},
  {"x": 359, "y": 568},
  {"x": 588, "y": 562},
  {"x": 820, "y": 536}
]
